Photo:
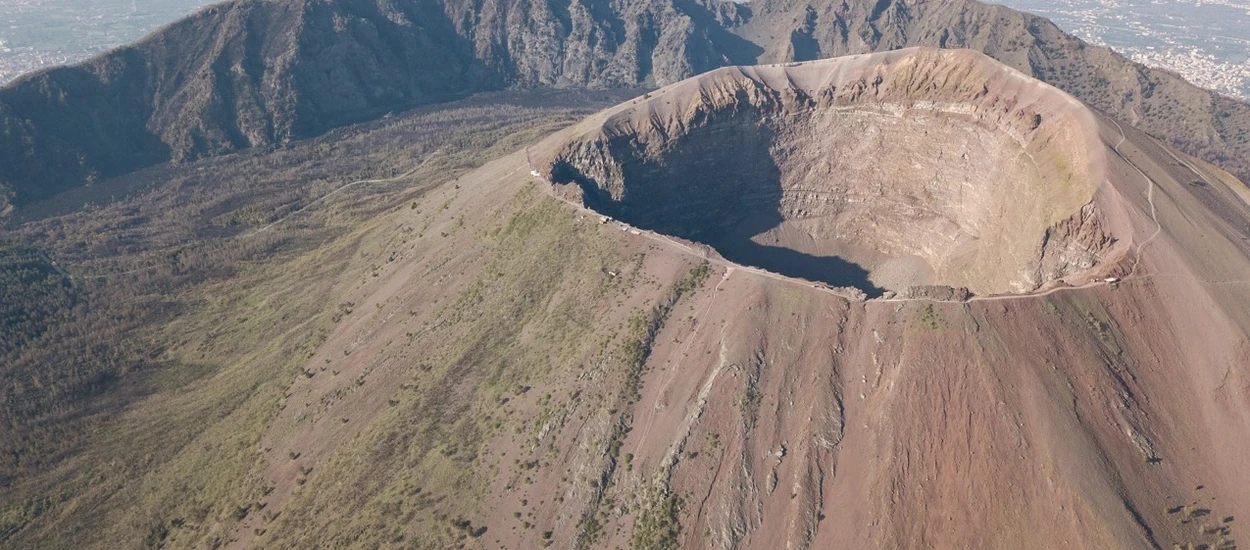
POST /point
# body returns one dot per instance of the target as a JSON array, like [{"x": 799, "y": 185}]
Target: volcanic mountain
[
  {"x": 603, "y": 340},
  {"x": 620, "y": 356},
  {"x": 915, "y": 298}
]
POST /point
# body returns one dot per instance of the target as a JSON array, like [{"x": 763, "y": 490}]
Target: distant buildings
[
  {"x": 1203, "y": 41},
  {"x": 46, "y": 33},
  {"x": 1204, "y": 70}
]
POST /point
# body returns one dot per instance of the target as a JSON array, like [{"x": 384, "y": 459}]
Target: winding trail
[
  {"x": 344, "y": 187},
  {"x": 1150, "y": 198}
]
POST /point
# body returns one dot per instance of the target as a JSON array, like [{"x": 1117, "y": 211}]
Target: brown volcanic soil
[{"x": 768, "y": 413}]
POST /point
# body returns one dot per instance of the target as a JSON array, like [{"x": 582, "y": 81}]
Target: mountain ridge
[{"x": 260, "y": 73}]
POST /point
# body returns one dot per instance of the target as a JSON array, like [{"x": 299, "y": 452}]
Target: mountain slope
[
  {"x": 643, "y": 398},
  {"x": 655, "y": 395},
  {"x": 253, "y": 73},
  {"x": 486, "y": 362},
  {"x": 129, "y": 319}
]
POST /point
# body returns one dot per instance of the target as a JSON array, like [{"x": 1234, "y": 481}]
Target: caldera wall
[{"x": 918, "y": 167}]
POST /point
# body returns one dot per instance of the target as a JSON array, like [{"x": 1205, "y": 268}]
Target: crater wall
[{"x": 884, "y": 172}]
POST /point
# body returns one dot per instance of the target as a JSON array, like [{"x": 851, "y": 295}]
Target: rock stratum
[{"x": 883, "y": 172}]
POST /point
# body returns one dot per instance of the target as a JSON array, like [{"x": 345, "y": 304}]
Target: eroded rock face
[{"x": 884, "y": 172}]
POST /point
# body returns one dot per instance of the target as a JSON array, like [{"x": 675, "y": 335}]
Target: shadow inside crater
[
  {"x": 830, "y": 270},
  {"x": 719, "y": 187}
]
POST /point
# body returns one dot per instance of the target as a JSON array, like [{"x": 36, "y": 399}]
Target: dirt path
[
  {"x": 344, "y": 187},
  {"x": 1150, "y": 198}
]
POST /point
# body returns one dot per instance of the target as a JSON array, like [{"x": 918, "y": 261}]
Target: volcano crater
[{"x": 891, "y": 177}]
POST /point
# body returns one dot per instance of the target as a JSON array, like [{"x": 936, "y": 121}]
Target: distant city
[
  {"x": 36, "y": 34},
  {"x": 1205, "y": 41}
]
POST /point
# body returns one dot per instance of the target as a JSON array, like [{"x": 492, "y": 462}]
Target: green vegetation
[
  {"x": 930, "y": 318},
  {"x": 135, "y": 397},
  {"x": 693, "y": 280},
  {"x": 1099, "y": 323},
  {"x": 641, "y": 332},
  {"x": 1091, "y": 317},
  {"x": 1049, "y": 304},
  {"x": 508, "y": 329},
  {"x": 33, "y": 293},
  {"x": 657, "y": 526}
]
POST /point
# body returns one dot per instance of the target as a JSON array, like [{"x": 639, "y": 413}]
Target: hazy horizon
[{"x": 37, "y": 34}]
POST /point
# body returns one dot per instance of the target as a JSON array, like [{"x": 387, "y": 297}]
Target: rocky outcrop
[
  {"x": 1073, "y": 245},
  {"x": 935, "y": 292}
]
